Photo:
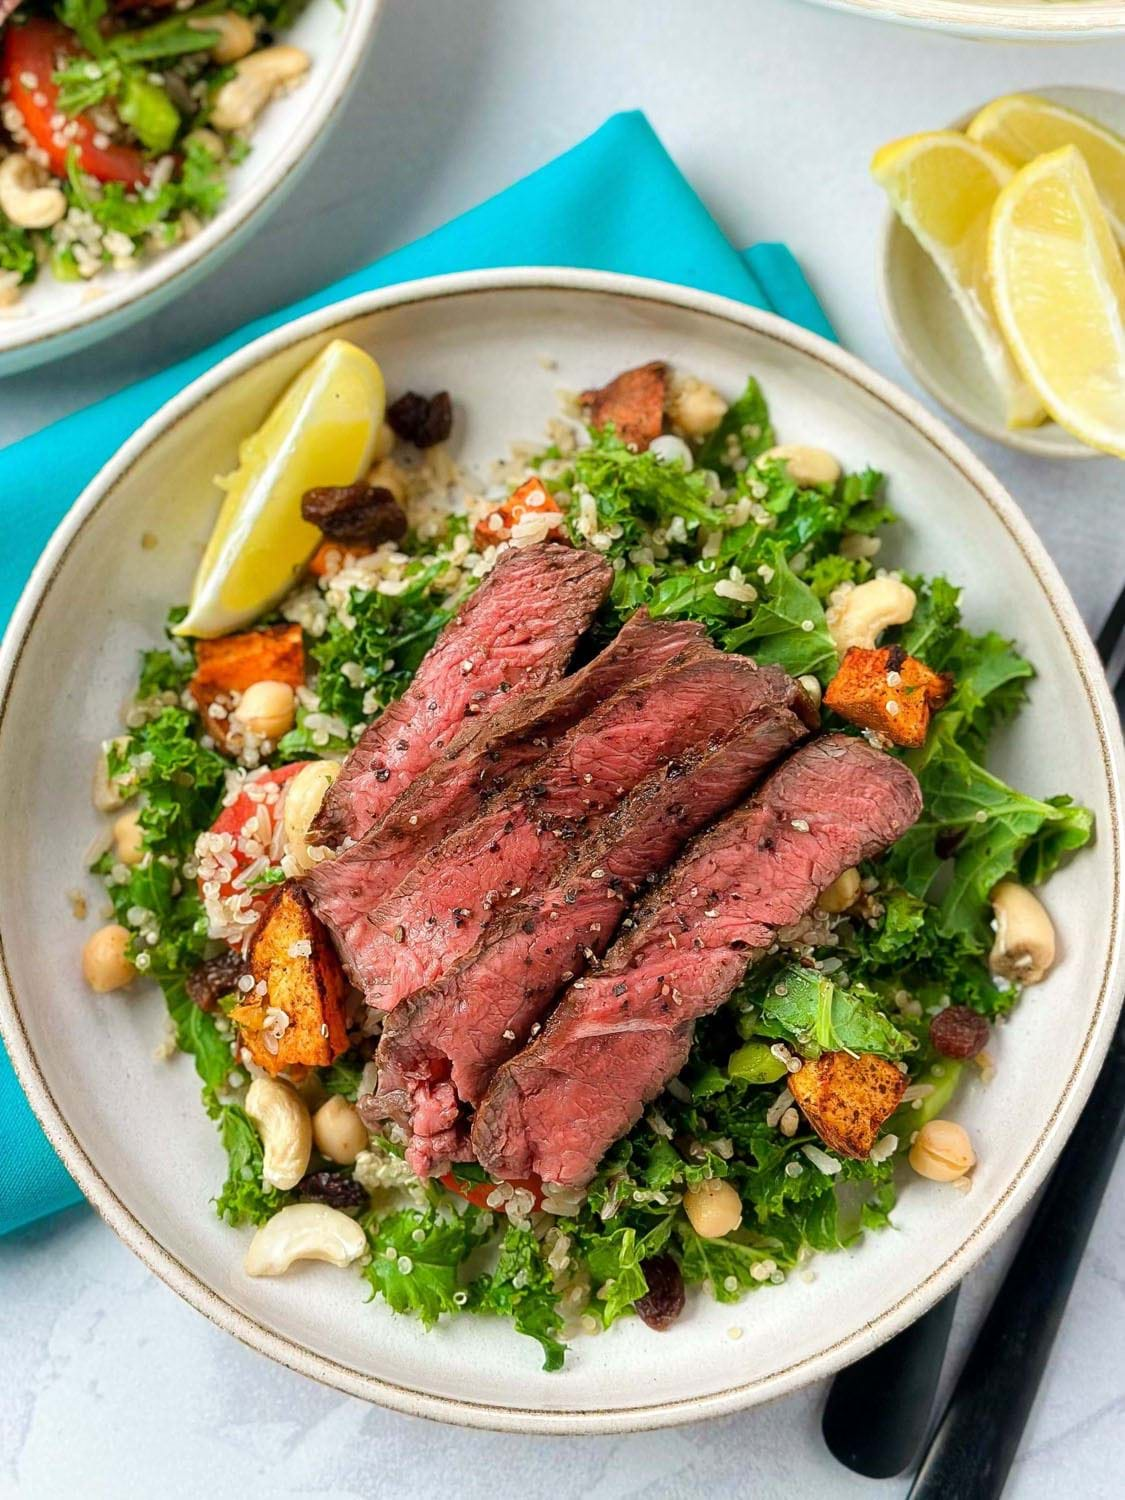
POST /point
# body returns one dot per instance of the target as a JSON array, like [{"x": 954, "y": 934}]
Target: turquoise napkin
[{"x": 616, "y": 202}]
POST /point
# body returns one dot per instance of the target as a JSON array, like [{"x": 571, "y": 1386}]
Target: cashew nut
[
  {"x": 257, "y": 79},
  {"x": 1024, "y": 948},
  {"x": 808, "y": 467},
  {"x": 304, "y": 1231},
  {"x": 236, "y": 35},
  {"x": 282, "y": 1118},
  {"x": 942, "y": 1151},
  {"x": 303, "y": 797},
  {"x": 27, "y": 195},
  {"x": 863, "y": 613},
  {"x": 841, "y": 893},
  {"x": 714, "y": 1208}
]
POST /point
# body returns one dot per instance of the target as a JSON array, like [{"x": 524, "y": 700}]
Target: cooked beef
[
  {"x": 518, "y": 844},
  {"x": 515, "y": 634},
  {"x": 440, "y": 1048},
  {"x": 483, "y": 758},
  {"x": 619, "y": 1035}
]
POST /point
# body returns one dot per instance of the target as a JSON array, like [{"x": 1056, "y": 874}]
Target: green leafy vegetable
[
  {"x": 415, "y": 1255},
  {"x": 807, "y": 1008},
  {"x": 788, "y": 627}
]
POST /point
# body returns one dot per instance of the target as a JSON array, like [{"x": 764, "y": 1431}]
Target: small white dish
[
  {"x": 56, "y": 318},
  {"x": 932, "y": 337},
  {"x": 1013, "y": 20},
  {"x": 130, "y": 1129}
]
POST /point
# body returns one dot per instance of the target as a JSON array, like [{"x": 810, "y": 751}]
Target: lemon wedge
[
  {"x": 1059, "y": 286},
  {"x": 943, "y": 188},
  {"x": 1023, "y": 126},
  {"x": 321, "y": 432}
]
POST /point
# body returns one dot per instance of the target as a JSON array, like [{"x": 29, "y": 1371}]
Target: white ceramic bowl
[
  {"x": 54, "y": 318},
  {"x": 933, "y": 338},
  {"x": 1016, "y": 20},
  {"x": 131, "y": 1130}
]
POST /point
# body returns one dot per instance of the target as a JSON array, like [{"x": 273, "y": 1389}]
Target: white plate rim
[
  {"x": 1079, "y": 22},
  {"x": 1040, "y": 1156},
  {"x": 53, "y": 334}
]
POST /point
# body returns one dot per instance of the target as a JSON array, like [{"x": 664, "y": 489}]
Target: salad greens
[
  {"x": 123, "y": 112},
  {"x": 869, "y": 981}
]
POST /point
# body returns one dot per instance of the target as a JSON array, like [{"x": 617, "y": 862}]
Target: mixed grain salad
[
  {"x": 120, "y": 122},
  {"x": 268, "y": 770}
]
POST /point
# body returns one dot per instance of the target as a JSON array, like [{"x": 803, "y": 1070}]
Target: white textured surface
[{"x": 773, "y": 111}]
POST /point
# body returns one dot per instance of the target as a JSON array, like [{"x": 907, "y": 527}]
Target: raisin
[
  {"x": 337, "y": 1189},
  {"x": 958, "y": 1032},
  {"x": 663, "y": 1303},
  {"x": 214, "y": 978},
  {"x": 355, "y": 513},
  {"x": 422, "y": 420}
]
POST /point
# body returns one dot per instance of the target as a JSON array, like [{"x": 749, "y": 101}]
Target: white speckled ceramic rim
[
  {"x": 224, "y": 233},
  {"x": 1041, "y": 1153},
  {"x": 1078, "y": 20}
]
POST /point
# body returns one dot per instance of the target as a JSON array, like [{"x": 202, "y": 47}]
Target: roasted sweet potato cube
[
  {"x": 232, "y": 663},
  {"x": 532, "y": 498},
  {"x": 299, "y": 1021},
  {"x": 846, "y": 1099},
  {"x": 887, "y": 690},
  {"x": 633, "y": 402}
]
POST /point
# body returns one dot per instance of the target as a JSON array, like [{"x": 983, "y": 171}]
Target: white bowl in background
[
  {"x": 131, "y": 1130},
  {"x": 54, "y": 318},
  {"x": 931, "y": 334},
  {"x": 1014, "y": 20}
]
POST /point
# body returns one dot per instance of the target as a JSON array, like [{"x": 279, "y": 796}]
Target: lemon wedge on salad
[
  {"x": 321, "y": 432},
  {"x": 943, "y": 187},
  {"x": 1023, "y": 126},
  {"x": 1059, "y": 287}
]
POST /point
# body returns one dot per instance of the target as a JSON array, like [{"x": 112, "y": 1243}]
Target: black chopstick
[{"x": 980, "y": 1430}]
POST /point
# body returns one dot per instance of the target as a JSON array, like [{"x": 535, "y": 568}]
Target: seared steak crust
[
  {"x": 440, "y": 1048},
  {"x": 483, "y": 758},
  {"x": 525, "y": 837},
  {"x": 515, "y": 634},
  {"x": 620, "y": 1034}
]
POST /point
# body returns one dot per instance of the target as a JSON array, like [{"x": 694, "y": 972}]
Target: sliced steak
[
  {"x": 619, "y": 1035},
  {"x": 440, "y": 1048},
  {"x": 519, "y": 843},
  {"x": 482, "y": 760},
  {"x": 515, "y": 634}
]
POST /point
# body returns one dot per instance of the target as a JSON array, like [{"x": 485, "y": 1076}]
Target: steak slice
[
  {"x": 619, "y": 1035},
  {"x": 440, "y": 1048},
  {"x": 516, "y": 633},
  {"x": 519, "y": 843},
  {"x": 483, "y": 758}
]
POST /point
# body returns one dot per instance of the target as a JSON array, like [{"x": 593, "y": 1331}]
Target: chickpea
[
  {"x": 842, "y": 893},
  {"x": 942, "y": 1151},
  {"x": 338, "y": 1131},
  {"x": 387, "y": 475},
  {"x": 127, "y": 837},
  {"x": 268, "y": 709},
  {"x": 105, "y": 962},
  {"x": 695, "y": 407},
  {"x": 714, "y": 1208}
]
